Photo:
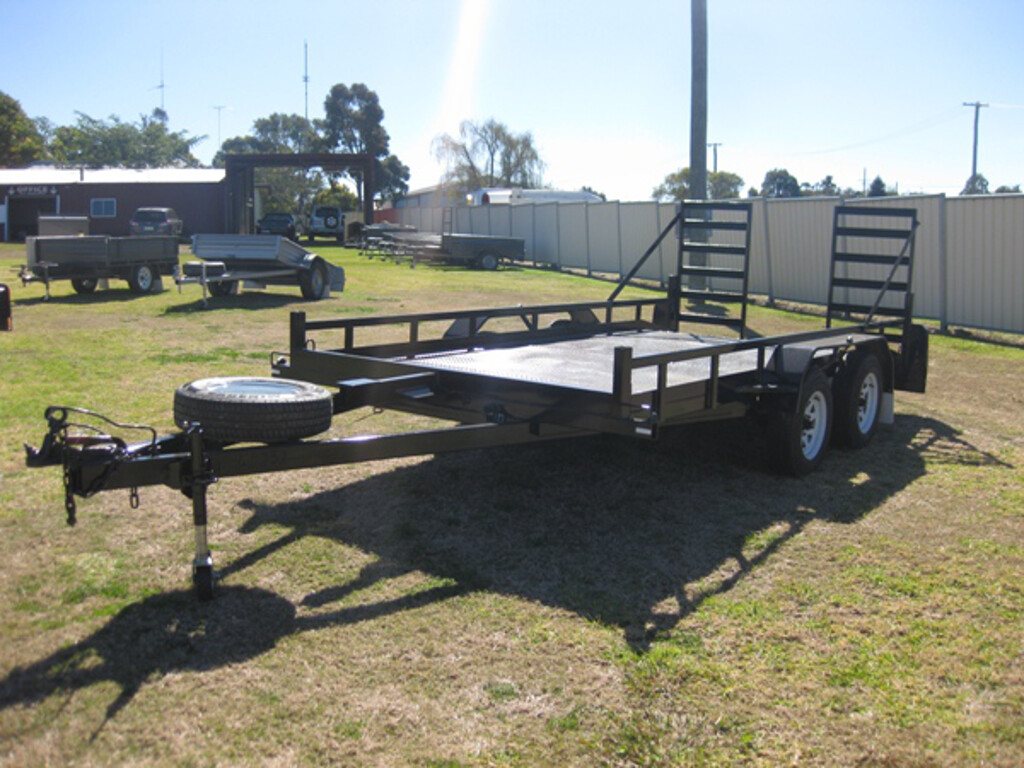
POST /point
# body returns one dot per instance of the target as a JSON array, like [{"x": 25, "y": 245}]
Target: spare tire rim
[{"x": 244, "y": 387}]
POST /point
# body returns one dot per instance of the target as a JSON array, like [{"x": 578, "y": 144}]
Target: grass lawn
[{"x": 590, "y": 602}]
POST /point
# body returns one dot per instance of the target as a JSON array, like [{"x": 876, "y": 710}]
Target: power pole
[
  {"x": 305, "y": 74},
  {"x": 161, "y": 86},
  {"x": 219, "y": 108},
  {"x": 974, "y": 155},
  {"x": 699, "y": 99},
  {"x": 714, "y": 149},
  {"x": 698, "y": 126}
]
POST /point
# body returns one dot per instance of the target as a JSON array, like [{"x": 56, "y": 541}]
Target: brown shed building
[{"x": 108, "y": 197}]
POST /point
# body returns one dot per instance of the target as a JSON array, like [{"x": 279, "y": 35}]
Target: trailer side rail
[{"x": 464, "y": 328}]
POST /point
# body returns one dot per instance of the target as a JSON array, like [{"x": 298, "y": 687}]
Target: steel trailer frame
[{"x": 632, "y": 373}]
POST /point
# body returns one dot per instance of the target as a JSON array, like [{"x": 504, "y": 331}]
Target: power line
[{"x": 923, "y": 125}]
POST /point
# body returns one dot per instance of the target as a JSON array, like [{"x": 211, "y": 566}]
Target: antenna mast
[
  {"x": 161, "y": 86},
  {"x": 305, "y": 74}
]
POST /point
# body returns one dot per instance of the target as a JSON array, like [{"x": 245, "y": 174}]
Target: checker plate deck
[{"x": 587, "y": 364}]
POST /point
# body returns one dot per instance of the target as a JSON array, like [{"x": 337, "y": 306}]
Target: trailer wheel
[
  {"x": 84, "y": 284},
  {"x": 224, "y": 288},
  {"x": 798, "y": 438},
  {"x": 142, "y": 279},
  {"x": 487, "y": 261},
  {"x": 858, "y": 398},
  {"x": 253, "y": 409},
  {"x": 313, "y": 281}
]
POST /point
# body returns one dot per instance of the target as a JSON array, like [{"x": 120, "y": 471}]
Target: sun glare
[{"x": 459, "y": 95}]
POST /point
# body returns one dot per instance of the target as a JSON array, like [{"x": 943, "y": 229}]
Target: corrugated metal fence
[{"x": 969, "y": 252}]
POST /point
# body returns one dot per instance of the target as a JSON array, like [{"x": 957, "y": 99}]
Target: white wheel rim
[
  {"x": 815, "y": 422},
  {"x": 145, "y": 278},
  {"x": 867, "y": 403}
]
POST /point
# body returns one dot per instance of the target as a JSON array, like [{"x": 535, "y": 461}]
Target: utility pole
[
  {"x": 699, "y": 99},
  {"x": 219, "y": 108},
  {"x": 305, "y": 74},
  {"x": 161, "y": 86},
  {"x": 714, "y": 149},
  {"x": 974, "y": 155},
  {"x": 698, "y": 127}
]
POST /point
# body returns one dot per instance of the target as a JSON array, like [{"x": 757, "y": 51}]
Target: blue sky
[{"x": 854, "y": 89}]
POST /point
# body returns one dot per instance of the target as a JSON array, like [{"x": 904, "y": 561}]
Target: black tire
[
  {"x": 84, "y": 284},
  {"x": 487, "y": 261},
  {"x": 798, "y": 438},
  {"x": 224, "y": 288},
  {"x": 858, "y": 400},
  {"x": 313, "y": 281},
  {"x": 253, "y": 409},
  {"x": 143, "y": 279}
]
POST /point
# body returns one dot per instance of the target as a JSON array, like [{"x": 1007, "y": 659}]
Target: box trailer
[
  {"x": 485, "y": 252},
  {"x": 88, "y": 260},
  {"x": 545, "y": 372}
]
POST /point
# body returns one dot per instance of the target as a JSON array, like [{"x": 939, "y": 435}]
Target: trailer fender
[
  {"x": 912, "y": 361},
  {"x": 317, "y": 278},
  {"x": 790, "y": 362}
]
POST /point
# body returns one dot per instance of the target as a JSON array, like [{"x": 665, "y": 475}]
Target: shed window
[{"x": 103, "y": 208}]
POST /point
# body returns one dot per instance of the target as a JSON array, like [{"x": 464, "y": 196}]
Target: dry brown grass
[{"x": 597, "y": 602}]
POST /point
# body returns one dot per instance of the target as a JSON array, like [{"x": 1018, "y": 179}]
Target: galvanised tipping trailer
[
  {"x": 522, "y": 374},
  {"x": 228, "y": 261}
]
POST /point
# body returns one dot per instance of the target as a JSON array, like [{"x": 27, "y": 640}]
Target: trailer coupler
[{"x": 88, "y": 444}]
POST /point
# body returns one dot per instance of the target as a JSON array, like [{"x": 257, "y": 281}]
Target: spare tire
[{"x": 253, "y": 409}]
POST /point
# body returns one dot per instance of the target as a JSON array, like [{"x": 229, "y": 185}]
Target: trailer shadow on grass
[
  {"x": 108, "y": 296},
  {"x": 252, "y": 300},
  {"x": 630, "y": 535}
]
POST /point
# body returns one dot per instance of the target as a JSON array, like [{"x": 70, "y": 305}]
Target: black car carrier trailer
[{"x": 528, "y": 373}]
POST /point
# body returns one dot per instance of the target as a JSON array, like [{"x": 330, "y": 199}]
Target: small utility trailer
[
  {"x": 228, "y": 261},
  {"x": 485, "y": 252},
  {"x": 86, "y": 260},
  {"x": 528, "y": 373}
]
